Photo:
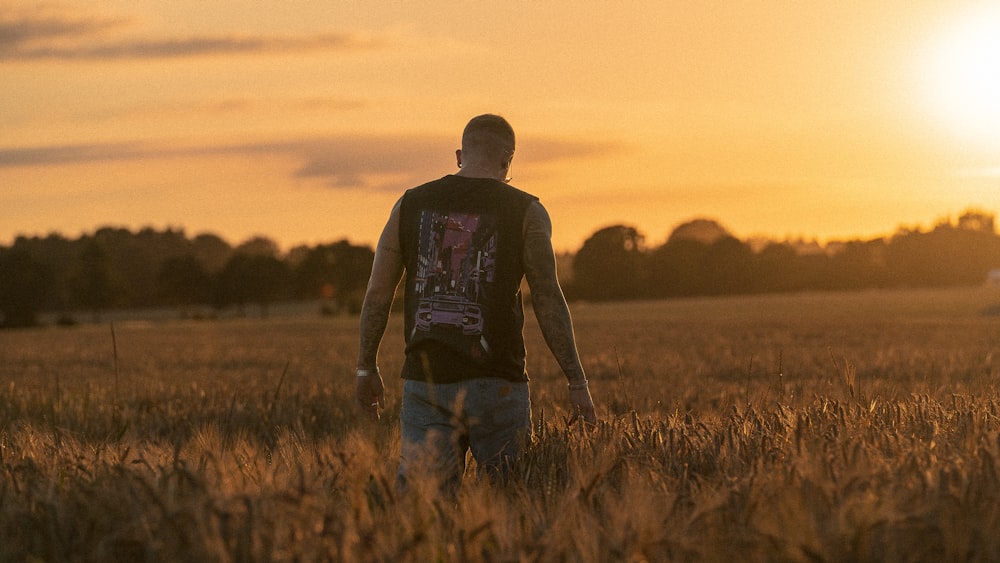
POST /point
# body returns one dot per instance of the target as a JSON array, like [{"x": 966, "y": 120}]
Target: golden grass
[{"x": 779, "y": 428}]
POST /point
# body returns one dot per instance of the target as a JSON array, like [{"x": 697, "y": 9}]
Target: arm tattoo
[
  {"x": 374, "y": 319},
  {"x": 547, "y": 297},
  {"x": 386, "y": 273}
]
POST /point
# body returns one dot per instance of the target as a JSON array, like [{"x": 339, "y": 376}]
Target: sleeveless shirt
[{"x": 462, "y": 243}]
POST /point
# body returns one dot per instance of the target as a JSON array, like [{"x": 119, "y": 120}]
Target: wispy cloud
[
  {"x": 188, "y": 47},
  {"x": 232, "y": 106},
  {"x": 49, "y": 35},
  {"x": 73, "y": 154},
  {"x": 341, "y": 162},
  {"x": 22, "y": 28},
  {"x": 346, "y": 162}
]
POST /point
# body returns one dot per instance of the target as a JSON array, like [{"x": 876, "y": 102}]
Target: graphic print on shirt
[{"x": 456, "y": 262}]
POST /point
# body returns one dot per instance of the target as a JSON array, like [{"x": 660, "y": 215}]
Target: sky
[{"x": 304, "y": 121}]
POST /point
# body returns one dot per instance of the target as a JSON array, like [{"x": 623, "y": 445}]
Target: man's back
[{"x": 462, "y": 243}]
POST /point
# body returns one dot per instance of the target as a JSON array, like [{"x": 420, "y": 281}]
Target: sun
[{"x": 964, "y": 77}]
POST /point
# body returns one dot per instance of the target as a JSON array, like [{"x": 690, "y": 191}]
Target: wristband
[
  {"x": 578, "y": 385},
  {"x": 363, "y": 372}
]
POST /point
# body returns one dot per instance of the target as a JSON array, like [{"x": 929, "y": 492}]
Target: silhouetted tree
[
  {"x": 610, "y": 265},
  {"x": 183, "y": 281},
  {"x": 778, "y": 268},
  {"x": 858, "y": 265},
  {"x": 24, "y": 286},
  {"x": 337, "y": 271},
  {"x": 351, "y": 277},
  {"x": 728, "y": 267},
  {"x": 248, "y": 278},
  {"x": 677, "y": 268},
  {"x": 94, "y": 286},
  {"x": 948, "y": 255},
  {"x": 705, "y": 231},
  {"x": 60, "y": 256},
  {"x": 700, "y": 257},
  {"x": 977, "y": 220},
  {"x": 258, "y": 246},
  {"x": 211, "y": 251},
  {"x": 115, "y": 266},
  {"x": 130, "y": 261}
]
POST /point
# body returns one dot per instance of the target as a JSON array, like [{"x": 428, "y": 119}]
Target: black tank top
[{"x": 462, "y": 243}]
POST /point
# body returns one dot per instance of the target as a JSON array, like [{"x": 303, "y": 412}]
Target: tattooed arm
[
  {"x": 551, "y": 309},
  {"x": 386, "y": 273}
]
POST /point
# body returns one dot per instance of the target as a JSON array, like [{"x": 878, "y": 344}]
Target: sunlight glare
[{"x": 965, "y": 77}]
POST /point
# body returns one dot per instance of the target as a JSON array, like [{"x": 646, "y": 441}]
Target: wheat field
[{"x": 812, "y": 427}]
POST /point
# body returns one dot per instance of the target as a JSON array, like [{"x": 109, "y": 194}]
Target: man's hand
[
  {"x": 370, "y": 393},
  {"x": 582, "y": 404}
]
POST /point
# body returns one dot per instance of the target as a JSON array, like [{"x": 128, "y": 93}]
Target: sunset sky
[{"x": 304, "y": 121}]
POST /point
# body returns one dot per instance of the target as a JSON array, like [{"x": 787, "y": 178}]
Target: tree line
[
  {"x": 701, "y": 258},
  {"x": 117, "y": 268}
]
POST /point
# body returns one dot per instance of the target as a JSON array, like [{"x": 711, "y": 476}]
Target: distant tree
[
  {"x": 705, "y": 231},
  {"x": 948, "y": 255},
  {"x": 728, "y": 267},
  {"x": 258, "y": 246},
  {"x": 678, "y": 268},
  {"x": 60, "y": 256},
  {"x": 94, "y": 285},
  {"x": 24, "y": 287},
  {"x": 337, "y": 271},
  {"x": 211, "y": 251},
  {"x": 859, "y": 265},
  {"x": 351, "y": 279},
  {"x": 250, "y": 278},
  {"x": 134, "y": 260},
  {"x": 610, "y": 265},
  {"x": 127, "y": 261},
  {"x": 700, "y": 257},
  {"x": 183, "y": 281},
  {"x": 778, "y": 268},
  {"x": 314, "y": 271},
  {"x": 978, "y": 221}
]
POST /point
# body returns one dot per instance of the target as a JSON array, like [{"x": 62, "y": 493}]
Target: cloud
[
  {"x": 352, "y": 161},
  {"x": 550, "y": 150},
  {"x": 197, "y": 109},
  {"x": 20, "y": 28},
  {"x": 30, "y": 36},
  {"x": 190, "y": 47},
  {"x": 71, "y": 154},
  {"x": 340, "y": 162}
]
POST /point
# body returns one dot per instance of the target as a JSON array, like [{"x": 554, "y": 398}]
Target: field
[{"x": 813, "y": 427}]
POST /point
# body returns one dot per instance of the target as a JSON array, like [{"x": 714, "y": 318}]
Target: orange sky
[{"x": 304, "y": 121}]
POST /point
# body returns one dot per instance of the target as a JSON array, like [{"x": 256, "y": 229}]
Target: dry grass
[{"x": 806, "y": 428}]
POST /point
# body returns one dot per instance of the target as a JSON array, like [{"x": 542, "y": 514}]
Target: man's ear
[{"x": 458, "y": 157}]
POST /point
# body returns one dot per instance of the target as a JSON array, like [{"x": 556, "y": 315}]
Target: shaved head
[{"x": 488, "y": 138}]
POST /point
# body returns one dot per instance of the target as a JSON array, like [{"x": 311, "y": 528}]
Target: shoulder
[
  {"x": 415, "y": 196},
  {"x": 537, "y": 221},
  {"x": 536, "y": 212},
  {"x": 519, "y": 193},
  {"x": 425, "y": 187}
]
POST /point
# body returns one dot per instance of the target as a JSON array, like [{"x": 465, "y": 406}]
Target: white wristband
[
  {"x": 578, "y": 385},
  {"x": 362, "y": 372}
]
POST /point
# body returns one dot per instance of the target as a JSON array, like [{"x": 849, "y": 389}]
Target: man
[{"x": 466, "y": 241}]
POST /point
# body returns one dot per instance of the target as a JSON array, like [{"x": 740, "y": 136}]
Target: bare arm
[
  {"x": 551, "y": 309},
  {"x": 386, "y": 273}
]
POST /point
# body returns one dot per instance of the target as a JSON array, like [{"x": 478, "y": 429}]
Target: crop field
[{"x": 812, "y": 427}]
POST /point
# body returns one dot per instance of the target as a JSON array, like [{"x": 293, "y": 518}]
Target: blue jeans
[{"x": 440, "y": 422}]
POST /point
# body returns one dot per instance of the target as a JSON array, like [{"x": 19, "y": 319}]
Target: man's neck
[{"x": 480, "y": 172}]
